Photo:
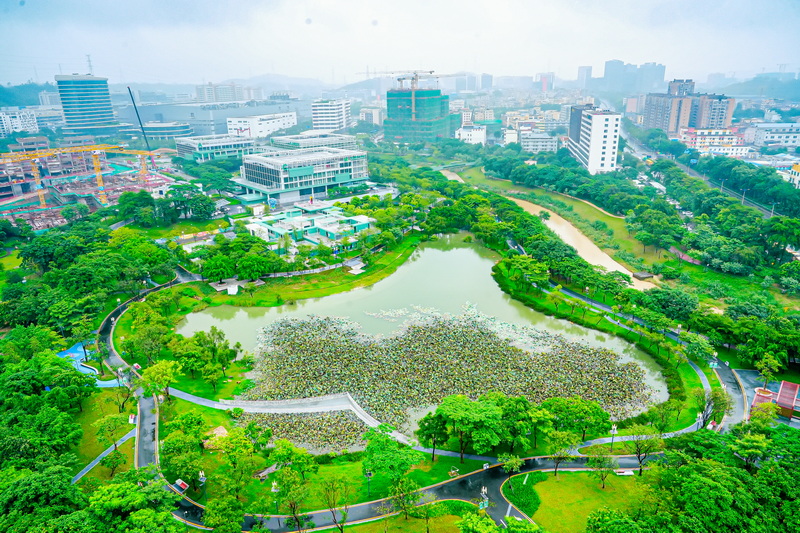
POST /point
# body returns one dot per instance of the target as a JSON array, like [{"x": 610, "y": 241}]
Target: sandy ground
[
  {"x": 452, "y": 176},
  {"x": 585, "y": 247}
]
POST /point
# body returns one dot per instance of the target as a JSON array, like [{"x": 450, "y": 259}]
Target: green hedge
[{"x": 523, "y": 495}]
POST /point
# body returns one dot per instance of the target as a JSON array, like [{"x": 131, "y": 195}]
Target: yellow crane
[{"x": 96, "y": 151}]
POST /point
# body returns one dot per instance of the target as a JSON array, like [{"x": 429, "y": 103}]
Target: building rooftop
[{"x": 304, "y": 155}]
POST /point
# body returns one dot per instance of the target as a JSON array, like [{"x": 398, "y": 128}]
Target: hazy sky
[{"x": 191, "y": 41}]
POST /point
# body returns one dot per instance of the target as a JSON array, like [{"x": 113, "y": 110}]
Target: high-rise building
[
  {"x": 594, "y": 138},
  {"x": 650, "y": 77},
  {"x": 414, "y": 115},
  {"x": 625, "y": 77},
  {"x": 681, "y": 87},
  {"x": 546, "y": 81},
  {"x": 86, "y": 103},
  {"x": 486, "y": 82},
  {"x": 584, "y": 76},
  {"x": 330, "y": 114},
  {"x": 667, "y": 112},
  {"x": 714, "y": 111}
]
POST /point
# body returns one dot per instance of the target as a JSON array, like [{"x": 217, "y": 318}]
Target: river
[{"x": 445, "y": 274}]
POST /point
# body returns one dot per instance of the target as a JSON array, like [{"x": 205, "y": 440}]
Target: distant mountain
[
  {"x": 166, "y": 88},
  {"x": 765, "y": 87},
  {"x": 279, "y": 82},
  {"x": 23, "y": 95}
]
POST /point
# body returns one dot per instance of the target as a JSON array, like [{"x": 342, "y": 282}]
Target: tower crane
[{"x": 95, "y": 150}]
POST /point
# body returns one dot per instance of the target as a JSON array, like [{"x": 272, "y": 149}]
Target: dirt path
[
  {"x": 452, "y": 176},
  {"x": 585, "y": 247}
]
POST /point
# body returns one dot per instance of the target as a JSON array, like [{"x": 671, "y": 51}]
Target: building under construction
[
  {"x": 37, "y": 181},
  {"x": 414, "y": 114}
]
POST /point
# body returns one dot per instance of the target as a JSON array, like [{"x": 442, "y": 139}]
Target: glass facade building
[{"x": 86, "y": 103}]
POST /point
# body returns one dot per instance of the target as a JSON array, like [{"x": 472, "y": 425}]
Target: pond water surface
[{"x": 445, "y": 275}]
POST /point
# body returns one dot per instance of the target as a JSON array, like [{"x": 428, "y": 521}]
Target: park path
[
  {"x": 129, "y": 435},
  {"x": 452, "y": 176}
]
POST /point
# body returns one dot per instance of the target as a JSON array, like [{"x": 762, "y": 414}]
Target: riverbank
[{"x": 587, "y": 249}]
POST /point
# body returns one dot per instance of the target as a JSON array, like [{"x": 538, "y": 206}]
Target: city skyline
[{"x": 195, "y": 42}]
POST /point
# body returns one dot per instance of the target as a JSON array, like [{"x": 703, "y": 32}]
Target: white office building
[
  {"x": 472, "y": 134},
  {"x": 296, "y": 175},
  {"x": 594, "y": 138},
  {"x": 204, "y": 148},
  {"x": 534, "y": 141},
  {"x": 781, "y": 134},
  {"x": 374, "y": 115},
  {"x": 260, "y": 126},
  {"x": 17, "y": 120},
  {"x": 330, "y": 115}
]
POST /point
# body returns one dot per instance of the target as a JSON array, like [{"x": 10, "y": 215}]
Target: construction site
[{"x": 37, "y": 182}]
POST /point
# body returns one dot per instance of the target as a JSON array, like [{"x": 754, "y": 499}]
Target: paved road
[{"x": 466, "y": 488}]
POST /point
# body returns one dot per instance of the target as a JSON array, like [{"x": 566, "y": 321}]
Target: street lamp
[
  {"x": 275, "y": 491},
  {"x": 743, "y": 192},
  {"x": 699, "y": 420},
  {"x": 772, "y": 213},
  {"x": 368, "y": 475},
  {"x": 613, "y": 434}
]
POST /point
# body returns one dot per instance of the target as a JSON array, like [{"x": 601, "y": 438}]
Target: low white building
[
  {"x": 535, "y": 141},
  {"x": 767, "y": 134},
  {"x": 715, "y": 141},
  {"x": 374, "y": 115},
  {"x": 17, "y": 120},
  {"x": 260, "y": 126},
  {"x": 472, "y": 134},
  {"x": 510, "y": 136}
]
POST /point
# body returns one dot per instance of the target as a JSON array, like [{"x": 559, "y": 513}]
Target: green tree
[
  {"x": 219, "y": 267},
  {"x": 404, "y": 494},
  {"x": 477, "y": 523},
  {"x": 601, "y": 467},
  {"x": 607, "y": 520},
  {"x": 113, "y": 461},
  {"x": 385, "y": 456},
  {"x": 159, "y": 377},
  {"x": 432, "y": 431},
  {"x": 473, "y": 422},
  {"x": 511, "y": 465},
  {"x": 562, "y": 447},
  {"x": 750, "y": 447},
  {"x": 645, "y": 441},
  {"x": 109, "y": 428},
  {"x": 336, "y": 493},
  {"x": 287, "y": 455},
  {"x": 768, "y": 366},
  {"x": 577, "y": 414},
  {"x": 225, "y": 514}
]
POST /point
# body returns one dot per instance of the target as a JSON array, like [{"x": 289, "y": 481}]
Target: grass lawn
[
  {"x": 102, "y": 473},
  {"x": 256, "y": 492},
  {"x": 227, "y": 388},
  {"x": 184, "y": 226},
  {"x": 94, "y": 409},
  {"x": 568, "y": 499},
  {"x": 11, "y": 261}
]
